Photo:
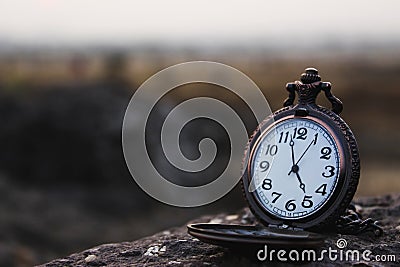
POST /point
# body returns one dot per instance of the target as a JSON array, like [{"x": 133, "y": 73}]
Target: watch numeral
[
  {"x": 321, "y": 190},
  {"x": 278, "y": 195},
  {"x": 286, "y": 137},
  {"x": 326, "y": 153},
  {"x": 315, "y": 138},
  {"x": 297, "y": 134},
  {"x": 264, "y": 165},
  {"x": 331, "y": 171},
  {"x": 290, "y": 205},
  {"x": 272, "y": 150},
  {"x": 301, "y": 132},
  {"x": 267, "y": 184},
  {"x": 307, "y": 203}
]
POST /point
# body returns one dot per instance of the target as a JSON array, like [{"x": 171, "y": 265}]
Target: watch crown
[{"x": 310, "y": 76}]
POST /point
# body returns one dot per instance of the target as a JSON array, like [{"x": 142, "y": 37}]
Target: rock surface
[{"x": 174, "y": 247}]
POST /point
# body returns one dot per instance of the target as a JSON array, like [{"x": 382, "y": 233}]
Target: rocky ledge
[{"x": 174, "y": 247}]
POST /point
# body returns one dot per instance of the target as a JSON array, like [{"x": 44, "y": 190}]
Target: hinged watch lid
[{"x": 249, "y": 237}]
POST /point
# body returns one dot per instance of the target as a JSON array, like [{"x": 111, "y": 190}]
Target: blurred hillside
[{"x": 63, "y": 178}]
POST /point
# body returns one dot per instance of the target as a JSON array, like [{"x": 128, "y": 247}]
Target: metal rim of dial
[{"x": 285, "y": 120}]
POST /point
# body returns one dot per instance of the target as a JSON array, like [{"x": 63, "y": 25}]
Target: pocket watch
[
  {"x": 301, "y": 165},
  {"x": 300, "y": 172}
]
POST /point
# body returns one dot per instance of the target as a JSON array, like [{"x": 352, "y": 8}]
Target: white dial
[{"x": 295, "y": 167}]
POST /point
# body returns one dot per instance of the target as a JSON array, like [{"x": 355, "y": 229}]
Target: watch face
[{"x": 295, "y": 167}]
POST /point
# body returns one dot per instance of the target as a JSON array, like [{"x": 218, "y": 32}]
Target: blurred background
[{"x": 69, "y": 68}]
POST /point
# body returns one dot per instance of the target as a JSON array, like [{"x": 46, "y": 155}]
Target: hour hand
[{"x": 302, "y": 185}]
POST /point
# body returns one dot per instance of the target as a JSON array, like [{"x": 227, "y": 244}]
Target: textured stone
[{"x": 174, "y": 247}]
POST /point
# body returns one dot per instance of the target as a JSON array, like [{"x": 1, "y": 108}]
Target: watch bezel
[
  {"x": 344, "y": 189},
  {"x": 275, "y": 124}
]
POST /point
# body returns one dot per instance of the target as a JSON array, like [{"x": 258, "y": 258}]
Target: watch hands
[
  {"x": 302, "y": 185},
  {"x": 313, "y": 142},
  {"x": 291, "y": 143},
  {"x": 295, "y": 168}
]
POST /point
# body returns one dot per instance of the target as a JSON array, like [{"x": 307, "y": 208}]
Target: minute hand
[{"x": 313, "y": 142}]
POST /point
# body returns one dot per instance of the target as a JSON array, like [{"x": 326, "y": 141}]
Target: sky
[{"x": 185, "y": 21}]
